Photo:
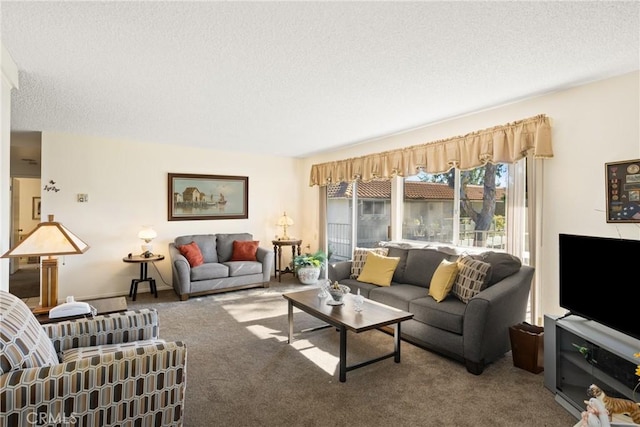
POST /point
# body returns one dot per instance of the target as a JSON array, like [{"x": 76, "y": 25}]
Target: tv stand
[{"x": 580, "y": 352}]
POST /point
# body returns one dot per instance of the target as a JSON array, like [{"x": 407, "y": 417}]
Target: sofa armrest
[
  {"x": 489, "y": 315},
  {"x": 107, "y": 329},
  {"x": 266, "y": 257},
  {"x": 129, "y": 387},
  {"x": 180, "y": 270},
  {"x": 339, "y": 270}
]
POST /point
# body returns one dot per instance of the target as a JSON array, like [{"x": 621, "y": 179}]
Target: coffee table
[{"x": 374, "y": 315}]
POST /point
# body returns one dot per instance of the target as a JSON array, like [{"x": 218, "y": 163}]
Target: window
[
  {"x": 364, "y": 227},
  {"x": 464, "y": 208},
  {"x": 428, "y": 208},
  {"x": 372, "y": 207}
]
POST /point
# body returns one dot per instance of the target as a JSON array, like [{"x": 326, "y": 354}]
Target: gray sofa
[
  {"x": 475, "y": 333},
  {"x": 218, "y": 273}
]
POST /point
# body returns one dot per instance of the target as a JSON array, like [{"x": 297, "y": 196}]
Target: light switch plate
[{"x": 83, "y": 198}]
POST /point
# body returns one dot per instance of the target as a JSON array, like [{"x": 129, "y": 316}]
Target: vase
[
  {"x": 358, "y": 301},
  {"x": 308, "y": 275}
]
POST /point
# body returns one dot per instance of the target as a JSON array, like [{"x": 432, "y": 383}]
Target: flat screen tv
[{"x": 600, "y": 280}]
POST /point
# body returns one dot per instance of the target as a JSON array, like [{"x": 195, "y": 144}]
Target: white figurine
[{"x": 596, "y": 414}]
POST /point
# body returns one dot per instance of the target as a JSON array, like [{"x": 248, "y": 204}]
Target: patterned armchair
[{"x": 110, "y": 370}]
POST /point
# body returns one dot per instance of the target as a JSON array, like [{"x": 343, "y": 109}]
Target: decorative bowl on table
[{"x": 337, "y": 294}]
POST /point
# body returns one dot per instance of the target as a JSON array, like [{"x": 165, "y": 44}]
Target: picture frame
[
  {"x": 623, "y": 191},
  {"x": 206, "y": 197},
  {"x": 35, "y": 208}
]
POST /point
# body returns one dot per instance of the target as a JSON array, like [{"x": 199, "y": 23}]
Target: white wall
[
  {"x": 127, "y": 186},
  {"x": 8, "y": 81},
  {"x": 591, "y": 125}
]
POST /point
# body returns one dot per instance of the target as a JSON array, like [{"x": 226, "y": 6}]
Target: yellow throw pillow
[
  {"x": 378, "y": 269},
  {"x": 443, "y": 279},
  {"x": 359, "y": 258}
]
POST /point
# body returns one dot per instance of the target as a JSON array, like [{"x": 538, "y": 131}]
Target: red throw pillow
[
  {"x": 192, "y": 253},
  {"x": 245, "y": 250}
]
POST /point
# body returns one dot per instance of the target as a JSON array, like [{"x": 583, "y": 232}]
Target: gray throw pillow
[{"x": 502, "y": 265}]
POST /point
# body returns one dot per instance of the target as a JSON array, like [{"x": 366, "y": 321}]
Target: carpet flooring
[{"x": 242, "y": 372}]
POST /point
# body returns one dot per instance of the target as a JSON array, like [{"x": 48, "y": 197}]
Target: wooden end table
[
  {"x": 277, "y": 251},
  {"x": 102, "y": 306}
]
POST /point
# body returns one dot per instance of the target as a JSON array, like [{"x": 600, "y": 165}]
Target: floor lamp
[{"x": 50, "y": 239}]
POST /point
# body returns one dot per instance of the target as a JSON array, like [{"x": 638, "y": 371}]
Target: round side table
[{"x": 139, "y": 259}]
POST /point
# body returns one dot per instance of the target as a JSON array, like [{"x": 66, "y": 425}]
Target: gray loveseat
[
  {"x": 475, "y": 333},
  {"x": 218, "y": 273}
]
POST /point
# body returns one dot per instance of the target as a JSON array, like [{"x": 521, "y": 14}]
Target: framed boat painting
[
  {"x": 197, "y": 197},
  {"x": 623, "y": 191}
]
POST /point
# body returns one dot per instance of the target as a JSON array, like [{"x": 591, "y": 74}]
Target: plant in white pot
[{"x": 308, "y": 266}]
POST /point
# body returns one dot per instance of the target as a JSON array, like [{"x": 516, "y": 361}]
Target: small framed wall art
[
  {"x": 35, "y": 208},
  {"x": 623, "y": 191},
  {"x": 193, "y": 196}
]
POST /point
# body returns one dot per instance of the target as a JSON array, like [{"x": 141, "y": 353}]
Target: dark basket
[{"x": 527, "y": 347}]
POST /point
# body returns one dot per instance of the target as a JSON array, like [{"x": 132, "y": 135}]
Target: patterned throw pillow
[
  {"x": 192, "y": 253},
  {"x": 359, "y": 258},
  {"x": 471, "y": 277}
]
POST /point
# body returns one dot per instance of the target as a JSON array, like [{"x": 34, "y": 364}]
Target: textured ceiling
[{"x": 297, "y": 78}]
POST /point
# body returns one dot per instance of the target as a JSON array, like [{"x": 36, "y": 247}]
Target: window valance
[{"x": 500, "y": 144}]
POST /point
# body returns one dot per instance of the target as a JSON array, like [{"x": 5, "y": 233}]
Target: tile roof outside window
[{"x": 412, "y": 190}]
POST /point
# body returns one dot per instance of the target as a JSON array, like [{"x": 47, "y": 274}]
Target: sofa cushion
[
  {"x": 243, "y": 268},
  {"x": 23, "y": 341},
  {"x": 442, "y": 280},
  {"x": 224, "y": 244},
  {"x": 447, "y": 315},
  {"x": 399, "y": 252},
  {"x": 206, "y": 243},
  {"x": 244, "y": 250},
  {"x": 471, "y": 277},
  {"x": 421, "y": 264},
  {"x": 210, "y": 270},
  {"x": 192, "y": 253},
  {"x": 354, "y": 285},
  {"x": 502, "y": 265},
  {"x": 359, "y": 258},
  {"x": 397, "y": 295},
  {"x": 378, "y": 269}
]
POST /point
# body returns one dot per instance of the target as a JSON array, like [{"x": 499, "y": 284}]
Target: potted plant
[{"x": 308, "y": 266}]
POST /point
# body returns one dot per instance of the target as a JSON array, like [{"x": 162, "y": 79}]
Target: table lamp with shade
[
  {"x": 284, "y": 221},
  {"x": 50, "y": 239},
  {"x": 147, "y": 234}
]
